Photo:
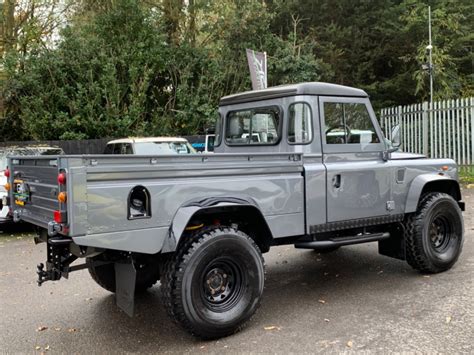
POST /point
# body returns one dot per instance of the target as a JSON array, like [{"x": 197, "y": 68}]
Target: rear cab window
[{"x": 258, "y": 126}]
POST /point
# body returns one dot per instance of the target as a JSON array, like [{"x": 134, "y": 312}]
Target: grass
[{"x": 466, "y": 174}]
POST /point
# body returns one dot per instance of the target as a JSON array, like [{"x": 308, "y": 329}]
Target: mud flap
[
  {"x": 393, "y": 247},
  {"x": 125, "y": 280}
]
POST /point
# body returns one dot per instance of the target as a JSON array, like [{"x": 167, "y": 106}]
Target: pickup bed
[
  {"x": 320, "y": 176},
  {"x": 99, "y": 192}
]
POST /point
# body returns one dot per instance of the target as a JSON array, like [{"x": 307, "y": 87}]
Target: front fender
[
  {"x": 190, "y": 208},
  {"x": 419, "y": 183}
]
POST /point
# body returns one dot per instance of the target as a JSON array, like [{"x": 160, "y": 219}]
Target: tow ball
[
  {"x": 58, "y": 262},
  {"x": 49, "y": 275}
]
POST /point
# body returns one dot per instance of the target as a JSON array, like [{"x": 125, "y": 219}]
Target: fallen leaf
[
  {"x": 322, "y": 301},
  {"x": 448, "y": 319},
  {"x": 272, "y": 327},
  {"x": 37, "y": 347},
  {"x": 41, "y": 328},
  {"x": 72, "y": 330},
  {"x": 326, "y": 320},
  {"x": 349, "y": 344}
]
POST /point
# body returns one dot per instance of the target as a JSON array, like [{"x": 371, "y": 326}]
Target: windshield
[{"x": 162, "y": 148}]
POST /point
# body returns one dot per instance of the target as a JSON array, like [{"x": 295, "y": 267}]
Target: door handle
[{"x": 336, "y": 181}]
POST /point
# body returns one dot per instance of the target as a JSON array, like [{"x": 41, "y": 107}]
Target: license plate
[{"x": 21, "y": 192}]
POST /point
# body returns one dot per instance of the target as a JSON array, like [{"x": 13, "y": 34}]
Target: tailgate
[{"x": 34, "y": 189}]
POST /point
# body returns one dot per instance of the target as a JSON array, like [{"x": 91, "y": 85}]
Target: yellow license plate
[{"x": 20, "y": 192}]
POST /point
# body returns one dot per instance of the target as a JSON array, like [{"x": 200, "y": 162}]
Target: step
[{"x": 338, "y": 242}]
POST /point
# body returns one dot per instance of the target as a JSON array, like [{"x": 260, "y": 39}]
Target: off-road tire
[
  {"x": 434, "y": 234},
  {"x": 104, "y": 275},
  {"x": 223, "y": 260}
]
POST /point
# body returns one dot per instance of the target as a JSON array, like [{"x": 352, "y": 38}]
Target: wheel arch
[
  {"x": 426, "y": 183},
  {"x": 240, "y": 210}
]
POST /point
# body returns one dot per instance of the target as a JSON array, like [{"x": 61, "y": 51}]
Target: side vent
[
  {"x": 401, "y": 176},
  {"x": 139, "y": 203}
]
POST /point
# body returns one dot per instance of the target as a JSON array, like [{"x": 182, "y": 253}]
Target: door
[{"x": 357, "y": 177}]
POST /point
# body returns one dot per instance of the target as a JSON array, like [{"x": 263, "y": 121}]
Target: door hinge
[{"x": 390, "y": 205}]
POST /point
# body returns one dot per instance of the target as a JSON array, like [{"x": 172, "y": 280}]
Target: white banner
[{"x": 258, "y": 69}]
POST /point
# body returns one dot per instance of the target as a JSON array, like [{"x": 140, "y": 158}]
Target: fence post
[
  {"x": 425, "y": 127},
  {"x": 398, "y": 120}
]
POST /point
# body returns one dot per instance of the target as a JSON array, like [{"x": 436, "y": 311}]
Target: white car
[
  {"x": 150, "y": 146},
  {"x": 5, "y": 216}
]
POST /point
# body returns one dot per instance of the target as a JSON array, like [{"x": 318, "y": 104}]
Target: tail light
[
  {"x": 7, "y": 172},
  {"x": 62, "y": 178},
  {"x": 58, "y": 217}
]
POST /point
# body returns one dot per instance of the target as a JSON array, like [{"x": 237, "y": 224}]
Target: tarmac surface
[{"x": 352, "y": 300}]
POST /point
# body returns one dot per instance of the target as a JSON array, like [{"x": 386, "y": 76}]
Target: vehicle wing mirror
[{"x": 395, "y": 136}]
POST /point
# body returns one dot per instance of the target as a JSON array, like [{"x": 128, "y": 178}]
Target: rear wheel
[
  {"x": 148, "y": 273},
  {"x": 434, "y": 234},
  {"x": 214, "y": 283}
]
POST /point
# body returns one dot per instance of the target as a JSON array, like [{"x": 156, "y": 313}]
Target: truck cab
[{"x": 350, "y": 174}]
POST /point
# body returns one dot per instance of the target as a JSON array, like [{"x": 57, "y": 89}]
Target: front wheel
[
  {"x": 214, "y": 283},
  {"x": 434, "y": 234}
]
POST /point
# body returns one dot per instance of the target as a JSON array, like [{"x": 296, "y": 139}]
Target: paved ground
[{"x": 351, "y": 300}]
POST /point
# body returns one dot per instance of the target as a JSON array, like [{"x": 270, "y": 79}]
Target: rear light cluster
[
  {"x": 59, "y": 217},
  {"x": 7, "y": 186}
]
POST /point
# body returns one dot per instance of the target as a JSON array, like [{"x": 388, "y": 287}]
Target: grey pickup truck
[{"x": 303, "y": 164}]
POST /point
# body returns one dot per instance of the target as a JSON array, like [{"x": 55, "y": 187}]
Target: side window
[
  {"x": 299, "y": 123},
  {"x": 255, "y": 126},
  {"x": 117, "y": 148},
  {"x": 217, "y": 131},
  {"x": 127, "y": 148},
  {"x": 348, "y": 123},
  {"x": 109, "y": 149}
]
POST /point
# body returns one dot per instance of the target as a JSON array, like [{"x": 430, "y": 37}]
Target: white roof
[{"x": 149, "y": 140}]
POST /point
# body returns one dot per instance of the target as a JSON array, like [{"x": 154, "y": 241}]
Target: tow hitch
[{"x": 58, "y": 261}]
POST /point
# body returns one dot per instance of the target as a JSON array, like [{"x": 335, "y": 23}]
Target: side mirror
[{"x": 395, "y": 136}]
